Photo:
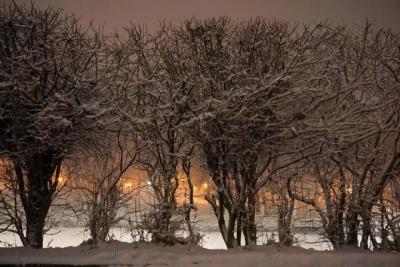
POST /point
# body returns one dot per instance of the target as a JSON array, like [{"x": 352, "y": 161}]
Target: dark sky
[{"x": 116, "y": 13}]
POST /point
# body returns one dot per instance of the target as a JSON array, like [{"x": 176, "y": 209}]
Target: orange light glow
[{"x": 127, "y": 184}]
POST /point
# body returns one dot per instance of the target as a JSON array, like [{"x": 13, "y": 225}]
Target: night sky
[{"x": 116, "y": 13}]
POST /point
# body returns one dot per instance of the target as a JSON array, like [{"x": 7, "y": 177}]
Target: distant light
[
  {"x": 194, "y": 187},
  {"x": 148, "y": 182},
  {"x": 205, "y": 185}
]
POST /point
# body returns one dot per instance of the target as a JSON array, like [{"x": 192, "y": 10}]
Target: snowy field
[
  {"x": 63, "y": 248},
  {"x": 117, "y": 254},
  {"x": 70, "y": 237},
  {"x": 73, "y": 235}
]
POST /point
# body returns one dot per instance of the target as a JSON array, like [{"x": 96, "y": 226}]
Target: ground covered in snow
[
  {"x": 71, "y": 233},
  {"x": 118, "y": 253}
]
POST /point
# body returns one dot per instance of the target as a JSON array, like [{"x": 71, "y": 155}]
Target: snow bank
[{"x": 149, "y": 254}]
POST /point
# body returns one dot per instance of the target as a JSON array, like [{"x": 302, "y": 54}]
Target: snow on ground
[
  {"x": 63, "y": 236},
  {"x": 65, "y": 249},
  {"x": 117, "y": 253},
  {"x": 67, "y": 237}
]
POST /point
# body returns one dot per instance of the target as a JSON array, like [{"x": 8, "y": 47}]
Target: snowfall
[{"x": 62, "y": 247}]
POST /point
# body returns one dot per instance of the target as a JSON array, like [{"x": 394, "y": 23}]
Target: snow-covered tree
[
  {"x": 252, "y": 82},
  {"x": 101, "y": 188},
  {"x": 156, "y": 107},
  {"x": 51, "y": 100},
  {"x": 359, "y": 116}
]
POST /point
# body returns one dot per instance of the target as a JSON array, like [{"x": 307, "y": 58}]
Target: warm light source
[{"x": 205, "y": 185}]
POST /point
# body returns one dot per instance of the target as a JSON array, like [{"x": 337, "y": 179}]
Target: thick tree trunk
[
  {"x": 249, "y": 225},
  {"x": 93, "y": 224},
  {"x": 340, "y": 229},
  {"x": 334, "y": 234},
  {"x": 99, "y": 226},
  {"x": 340, "y": 209},
  {"x": 231, "y": 241},
  {"x": 166, "y": 206},
  {"x": 285, "y": 214},
  {"x": 35, "y": 229},
  {"x": 219, "y": 211},
  {"x": 366, "y": 232},
  {"x": 366, "y": 227},
  {"x": 162, "y": 233},
  {"x": 37, "y": 191},
  {"x": 352, "y": 228},
  {"x": 251, "y": 239},
  {"x": 239, "y": 227},
  {"x": 38, "y": 205}
]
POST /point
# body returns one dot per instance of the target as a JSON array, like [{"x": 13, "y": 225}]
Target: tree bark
[
  {"x": 39, "y": 201},
  {"x": 252, "y": 227},
  {"x": 352, "y": 228},
  {"x": 285, "y": 214},
  {"x": 37, "y": 195}
]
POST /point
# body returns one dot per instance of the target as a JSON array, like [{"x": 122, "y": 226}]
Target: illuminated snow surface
[
  {"x": 206, "y": 225},
  {"x": 64, "y": 249},
  {"x": 70, "y": 237}
]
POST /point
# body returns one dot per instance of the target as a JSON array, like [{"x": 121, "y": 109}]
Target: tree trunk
[
  {"x": 37, "y": 194},
  {"x": 39, "y": 201},
  {"x": 93, "y": 224},
  {"x": 251, "y": 237},
  {"x": 231, "y": 241},
  {"x": 285, "y": 214},
  {"x": 239, "y": 227},
  {"x": 227, "y": 231},
  {"x": 34, "y": 229},
  {"x": 352, "y": 228},
  {"x": 164, "y": 220},
  {"x": 366, "y": 231},
  {"x": 340, "y": 229}
]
